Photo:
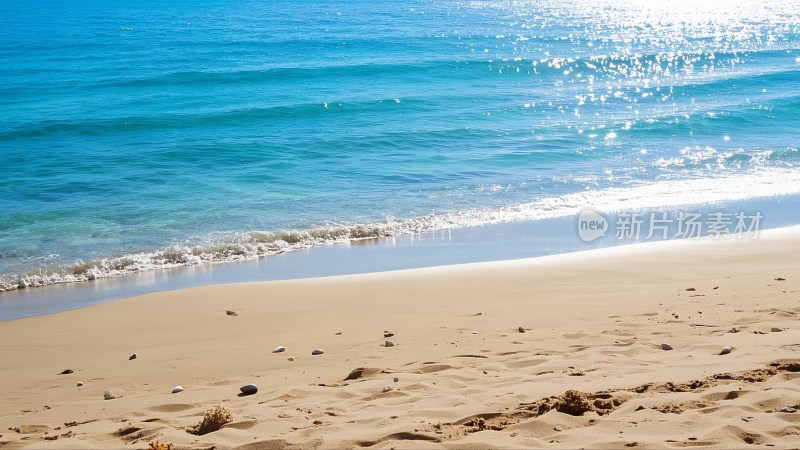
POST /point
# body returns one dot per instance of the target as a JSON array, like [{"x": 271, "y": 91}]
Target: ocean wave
[
  {"x": 256, "y": 244},
  {"x": 708, "y": 158}
]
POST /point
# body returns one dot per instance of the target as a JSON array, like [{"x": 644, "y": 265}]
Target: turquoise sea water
[{"x": 140, "y": 135}]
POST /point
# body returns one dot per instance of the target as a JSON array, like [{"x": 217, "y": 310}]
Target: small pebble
[
  {"x": 317, "y": 352},
  {"x": 474, "y": 332},
  {"x": 396, "y": 379},
  {"x": 556, "y": 428},
  {"x": 66, "y": 372},
  {"x": 177, "y": 389},
  {"x": 788, "y": 409},
  {"x": 776, "y": 329},
  {"x": 279, "y": 349},
  {"x": 80, "y": 383},
  {"x": 666, "y": 347},
  {"x": 388, "y": 388},
  {"x": 387, "y": 334},
  {"x": 291, "y": 358},
  {"x": 249, "y": 389},
  {"x": 521, "y": 330},
  {"x": 133, "y": 356},
  {"x": 389, "y": 344},
  {"x": 726, "y": 350},
  {"x": 108, "y": 395},
  {"x": 479, "y": 313},
  {"x": 231, "y": 313}
]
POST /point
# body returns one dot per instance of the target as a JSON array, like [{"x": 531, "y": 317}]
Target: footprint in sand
[
  {"x": 433, "y": 368},
  {"x": 362, "y": 373}
]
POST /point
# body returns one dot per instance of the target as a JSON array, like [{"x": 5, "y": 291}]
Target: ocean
[{"x": 137, "y": 136}]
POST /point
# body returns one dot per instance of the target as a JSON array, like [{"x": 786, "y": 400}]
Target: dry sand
[{"x": 594, "y": 323}]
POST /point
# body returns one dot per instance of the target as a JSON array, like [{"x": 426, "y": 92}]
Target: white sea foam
[{"x": 251, "y": 245}]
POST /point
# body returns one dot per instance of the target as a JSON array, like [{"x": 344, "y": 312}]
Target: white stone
[
  {"x": 177, "y": 389},
  {"x": 279, "y": 349},
  {"x": 317, "y": 352},
  {"x": 108, "y": 395},
  {"x": 726, "y": 350}
]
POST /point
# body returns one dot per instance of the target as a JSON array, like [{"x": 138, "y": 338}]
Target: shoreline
[
  {"x": 594, "y": 322},
  {"x": 241, "y": 247},
  {"x": 515, "y": 240}
]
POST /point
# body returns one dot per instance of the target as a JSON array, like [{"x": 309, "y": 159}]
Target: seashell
[
  {"x": 80, "y": 383},
  {"x": 317, "y": 352},
  {"x": 666, "y": 347},
  {"x": 388, "y": 344},
  {"x": 249, "y": 389},
  {"x": 177, "y": 389},
  {"x": 133, "y": 356},
  {"x": 726, "y": 350},
  {"x": 279, "y": 349},
  {"x": 291, "y": 358},
  {"x": 108, "y": 395}
]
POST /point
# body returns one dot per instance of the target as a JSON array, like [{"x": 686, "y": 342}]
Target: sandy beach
[{"x": 564, "y": 351}]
